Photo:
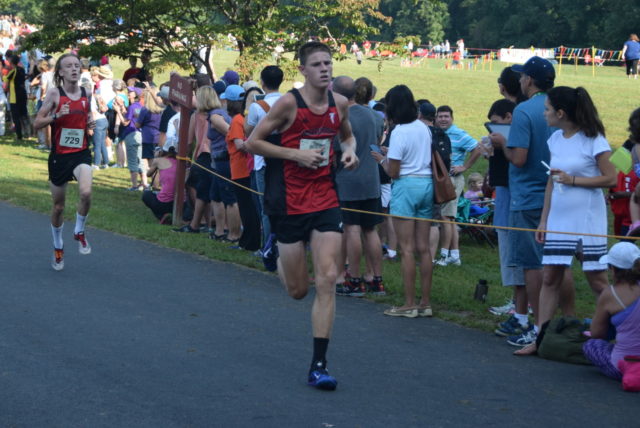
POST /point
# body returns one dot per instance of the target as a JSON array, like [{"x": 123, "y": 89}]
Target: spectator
[
  {"x": 408, "y": 162},
  {"x": 461, "y": 144},
  {"x": 634, "y": 203},
  {"x": 161, "y": 203},
  {"x": 238, "y": 157},
  {"x": 127, "y": 117},
  {"x": 619, "y": 307},
  {"x": 631, "y": 54},
  {"x": 620, "y": 196},
  {"x": 475, "y": 195},
  {"x": 17, "y": 94},
  {"x": 573, "y": 200},
  {"x": 360, "y": 189},
  {"x": 148, "y": 122},
  {"x": 270, "y": 79},
  {"x": 133, "y": 69},
  {"x": 525, "y": 149},
  {"x": 168, "y": 112}
]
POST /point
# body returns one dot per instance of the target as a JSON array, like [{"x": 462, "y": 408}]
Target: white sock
[
  {"x": 391, "y": 253},
  {"x": 523, "y": 319},
  {"x": 80, "y": 221},
  {"x": 56, "y": 232},
  {"x": 454, "y": 254},
  {"x": 536, "y": 329},
  {"x": 444, "y": 253}
]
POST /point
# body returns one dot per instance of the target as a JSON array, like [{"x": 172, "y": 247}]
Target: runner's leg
[
  {"x": 292, "y": 269},
  {"x": 325, "y": 247}
]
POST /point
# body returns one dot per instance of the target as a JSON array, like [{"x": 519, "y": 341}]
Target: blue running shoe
[
  {"x": 321, "y": 379},
  {"x": 270, "y": 254},
  {"x": 510, "y": 327}
]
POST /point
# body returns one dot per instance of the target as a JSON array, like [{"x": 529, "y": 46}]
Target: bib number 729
[{"x": 72, "y": 138}]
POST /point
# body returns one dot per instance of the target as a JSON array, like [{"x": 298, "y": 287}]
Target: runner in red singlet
[
  {"x": 67, "y": 109},
  {"x": 300, "y": 195}
]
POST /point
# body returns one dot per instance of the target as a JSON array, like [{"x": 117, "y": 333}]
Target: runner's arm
[
  {"x": 45, "y": 115},
  {"x": 349, "y": 158},
  {"x": 279, "y": 118}
]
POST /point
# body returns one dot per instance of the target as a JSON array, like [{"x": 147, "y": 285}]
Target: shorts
[
  {"x": 148, "y": 150},
  {"x": 510, "y": 275},
  {"x": 450, "y": 209},
  {"x": 201, "y": 179},
  {"x": 222, "y": 190},
  {"x": 412, "y": 197},
  {"x": 524, "y": 251},
  {"x": 61, "y": 166},
  {"x": 385, "y": 195},
  {"x": 365, "y": 221},
  {"x": 295, "y": 228}
]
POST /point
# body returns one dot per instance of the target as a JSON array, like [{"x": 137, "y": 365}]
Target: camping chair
[{"x": 479, "y": 234}]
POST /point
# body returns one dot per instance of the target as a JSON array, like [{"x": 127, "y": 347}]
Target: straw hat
[{"x": 105, "y": 72}]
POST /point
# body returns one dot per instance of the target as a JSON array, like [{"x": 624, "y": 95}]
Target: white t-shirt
[
  {"x": 255, "y": 115},
  {"x": 173, "y": 131},
  {"x": 411, "y": 145}
]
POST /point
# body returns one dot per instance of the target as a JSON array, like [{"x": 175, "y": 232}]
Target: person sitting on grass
[
  {"x": 634, "y": 203},
  {"x": 618, "y": 307},
  {"x": 161, "y": 203}
]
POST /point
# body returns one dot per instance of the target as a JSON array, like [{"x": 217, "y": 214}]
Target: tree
[
  {"x": 177, "y": 31},
  {"x": 424, "y": 18}
]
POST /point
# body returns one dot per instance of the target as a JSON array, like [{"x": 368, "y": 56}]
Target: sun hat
[
  {"x": 622, "y": 255},
  {"x": 538, "y": 68},
  {"x": 105, "y": 72},
  {"x": 250, "y": 84},
  {"x": 138, "y": 91},
  {"x": 230, "y": 77},
  {"x": 163, "y": 93},
  {"x": 233, "y": 93}
]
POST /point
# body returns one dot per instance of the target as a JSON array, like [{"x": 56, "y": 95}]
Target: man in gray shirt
[{"x": 360, "y": 189}]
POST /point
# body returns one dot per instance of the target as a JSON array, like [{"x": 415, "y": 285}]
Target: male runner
[
  {"x": 300, "y": 196},
  {"x": 67, "y": 108}
]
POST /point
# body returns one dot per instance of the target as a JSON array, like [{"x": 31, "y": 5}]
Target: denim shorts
[
  {"x": 222, "y": 190},
  {"x": 412, "y": 196},
  {"x": 524, "y": 251}
]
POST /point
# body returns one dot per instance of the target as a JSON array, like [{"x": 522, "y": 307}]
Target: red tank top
[
  {"x": 70, "y": 130},
  {"x": 311, "y": 190}
]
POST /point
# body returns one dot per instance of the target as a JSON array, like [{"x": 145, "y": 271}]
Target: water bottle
[{"x": 481, "y": 290}]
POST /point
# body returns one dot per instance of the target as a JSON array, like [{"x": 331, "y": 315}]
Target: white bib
[
  {"x": 324, "y": 144},
  {"x": 72, "y": 138}
]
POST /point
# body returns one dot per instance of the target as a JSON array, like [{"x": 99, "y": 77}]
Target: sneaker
[
  {"x": 352, "y": 287},
  {"x": 442, "y": 261},
  {"x": 393, "y": 258},
  {"x": 320, "y": 378},
  {"x": 508, "y": 308},
  {"x": 376, "y": 286},
  {"x": 83, "y": 244},
  {"x": 186, "y": 229},
  {"x": 57, "y": 262},
  {"x": 510, "y": 327},
  {"x": 527, "y": 337},
  {"x": 425, "y": 311},
  {"x": 270, "y": 254},
  {"x": 455, "y": 262},
  {"x": 398, "y": 312}
]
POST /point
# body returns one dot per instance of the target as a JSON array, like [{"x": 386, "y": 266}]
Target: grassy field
[{"x": 23, "y": 178}]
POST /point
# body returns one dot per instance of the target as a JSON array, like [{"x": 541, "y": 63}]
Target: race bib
[
  {"x": 72, "y": 138},
  {"x": 323, "y": 144}
]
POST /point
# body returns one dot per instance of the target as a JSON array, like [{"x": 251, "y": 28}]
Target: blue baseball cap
[
  {"x": 219, "y": 87},
  {"x": 230, "y": 77},
  {"x": 233, "y": 93},
  {"x": 537, "y": 68}
]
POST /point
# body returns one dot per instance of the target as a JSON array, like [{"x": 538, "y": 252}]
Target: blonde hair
[
  {"x": 207, "y": 99},
  {"x": 474, "y": 177},
  {"x": 151, "y": 104}
]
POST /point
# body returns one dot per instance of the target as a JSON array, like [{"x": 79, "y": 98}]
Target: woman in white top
[
  {"x": 408, "y": 163},
  {"x": 574, "y": 201}
]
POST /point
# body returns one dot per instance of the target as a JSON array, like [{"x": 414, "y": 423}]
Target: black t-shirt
[
  {"x": 167, "y": 114},
  {"x": 498, "y": 169}
]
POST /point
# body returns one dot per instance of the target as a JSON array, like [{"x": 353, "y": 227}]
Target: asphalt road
[{"x": 135, "y": 335}]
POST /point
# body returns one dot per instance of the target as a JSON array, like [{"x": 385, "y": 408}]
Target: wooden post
[
  {"x": 560, "y": 66},
  {"x": 180, "y": 92},
  {"x": 593, "y": 61}
]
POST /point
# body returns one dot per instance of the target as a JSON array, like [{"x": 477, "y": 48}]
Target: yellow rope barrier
[{"x": 487, "y": 226}]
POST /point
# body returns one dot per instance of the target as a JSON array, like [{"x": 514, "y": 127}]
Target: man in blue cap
[{"x": 525, "y": 150}]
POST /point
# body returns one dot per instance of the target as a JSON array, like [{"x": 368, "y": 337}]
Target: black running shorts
[{"x": 61, "y": 166}]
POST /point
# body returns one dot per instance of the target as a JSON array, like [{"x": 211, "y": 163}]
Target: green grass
[{"x": 23, "y": 179}]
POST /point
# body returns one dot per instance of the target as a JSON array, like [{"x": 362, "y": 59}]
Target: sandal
[
  {"x": 399, "y": 312},
  {"x": 212, "y": 235}
]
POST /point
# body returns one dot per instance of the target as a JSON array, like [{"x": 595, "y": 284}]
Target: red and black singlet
[
  {"x": 292, "y": 189},
  {"x": 69, "y": 131}
]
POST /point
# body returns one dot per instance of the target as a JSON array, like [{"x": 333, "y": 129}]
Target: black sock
[{"x": 320, "y": 345}]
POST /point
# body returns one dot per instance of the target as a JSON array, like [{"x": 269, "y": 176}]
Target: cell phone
[
  {"x": 498, "y": 128},
  {"x": 375, "y": 148}
]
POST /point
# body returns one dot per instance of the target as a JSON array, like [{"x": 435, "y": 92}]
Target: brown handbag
[{"x": 443, "y": 189}]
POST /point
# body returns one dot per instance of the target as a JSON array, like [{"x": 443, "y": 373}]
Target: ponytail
[
  {"x": 634, "y": 126},
  {"x": 587, "y": 114},
  {"x": 579, "y": 108}
]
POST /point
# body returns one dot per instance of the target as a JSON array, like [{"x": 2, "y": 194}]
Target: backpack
[
  {"x": 441, "y": 143},
  {"x": 562, "y": 340}
]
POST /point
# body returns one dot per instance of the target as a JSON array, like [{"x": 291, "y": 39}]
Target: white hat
[{"x": 622, "y": 255}]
